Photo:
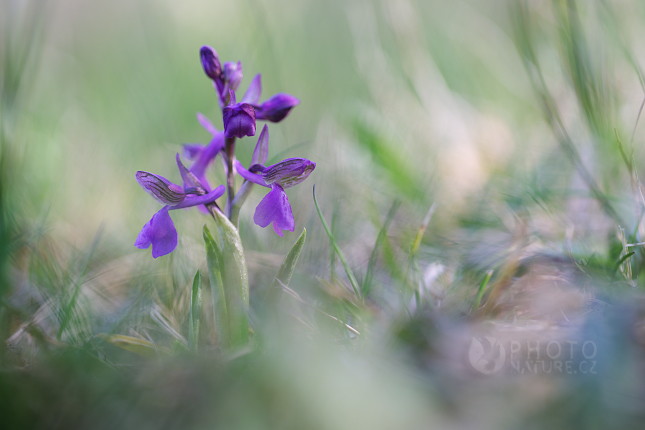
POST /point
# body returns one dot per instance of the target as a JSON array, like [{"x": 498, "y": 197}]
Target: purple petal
[
  {"x": 275, "y": 208},
  {"x": 191, "y": 201},
  {"x": 252, "y": 94},
  {"x": 210, "y": 62},
  {"x": 206, "y": 157},
  {"x": 239, "y": 120},
  {"x": 232, "y": 74},
  {"x": 256, "y": 179},
  {"x": 289, "y": 173},
  {"x": 159, "y": 232},
  {"x": 192, "y": 150},
  {"x": 163, "y": 191},
  {"x": 261, "y": 151},
  {"x": 207, "y": 124},
  {"x": 188, "y": 178},
  {"x": 276, "y": 108}
]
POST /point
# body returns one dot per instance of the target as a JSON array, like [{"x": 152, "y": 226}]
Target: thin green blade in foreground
[
  {"x": 213, "y": 257},
  {"x": 195, "y": 311},
  {"x": 289, "y": 263},
  {"x": 350, "y": 274},
  {"x": 481, "y": 290},
  {"x": 235, "y": 279},
  {"x": 367, "y": 282}
]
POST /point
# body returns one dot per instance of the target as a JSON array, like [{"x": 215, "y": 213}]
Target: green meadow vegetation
[{"x": 472, "y": 255}]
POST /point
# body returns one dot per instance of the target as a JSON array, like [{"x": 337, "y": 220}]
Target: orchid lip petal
[
  {"x": 275, "y": 208},
  {"x": 252, "y": 177},
  {"x": 191, "y": 201},
  {"x": 159, "y": 232},
  {"x": 252, "y": 94},
  {"x": 261, "y": 151},
  {"x": 289, "y": 173},
  {"x": 160, "y": 188}
]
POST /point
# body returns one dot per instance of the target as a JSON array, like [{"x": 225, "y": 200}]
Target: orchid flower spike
[
  {"x": 274, "y": 207},
  {"x": 160, "y": 231}
]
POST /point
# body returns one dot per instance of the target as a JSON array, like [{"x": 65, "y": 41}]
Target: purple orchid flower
[
  {"x": 239, "y": 118},
  {"x": 274, "y": 207},
  {"x": 160, "y": 231},
  {"x": 274, "y": 109}
]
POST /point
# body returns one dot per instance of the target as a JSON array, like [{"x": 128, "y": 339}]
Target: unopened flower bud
[{"x": 210, "y": 62}]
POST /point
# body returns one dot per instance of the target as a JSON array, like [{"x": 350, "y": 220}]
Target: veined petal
[
  {"x": 239, "y": 119},
  {"x": 261, "y": 151},
  {"x": 276, "y": 108},
  {"x": 159, "y": 232},
  {"x": 164, "y": 191},
  {"x": 252, "y": 94},
  {"x": 210, "y": 62},
  {"x": 289, "y": 173},
  {"x": 275, "y": 208},
  {"x": 255, "y": 178},
  {"x": 191, "y": 201},
  {"x": 207, "y": 124}
]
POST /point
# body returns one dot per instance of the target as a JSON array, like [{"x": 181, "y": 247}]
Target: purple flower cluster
[{"x": 239, "y": 121}]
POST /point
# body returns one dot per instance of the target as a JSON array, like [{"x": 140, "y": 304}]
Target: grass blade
[
  {"x": 481, "y": 290},
  {"x": 367, "y": 282},
  {"x": 195, "y": 311},
  {"x": 289, "y": 263},
  {"x": 350, "y": 274},
  {"x": 141, "y": 347},
  {"x": 69, "y": 309}
]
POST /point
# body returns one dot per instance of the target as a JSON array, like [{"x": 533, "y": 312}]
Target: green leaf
[
  {"x": 141, "y": 347},
  {"x": 213, "y": 257},
  {"x": 348, "y": 271},
  {"x": 235, "y": 281},
  {"x": 289, "y": 263},
  {"x": 195, "y": 311}
]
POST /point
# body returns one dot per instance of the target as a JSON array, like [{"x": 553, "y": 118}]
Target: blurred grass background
[{"x": 505, "y": 114}]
